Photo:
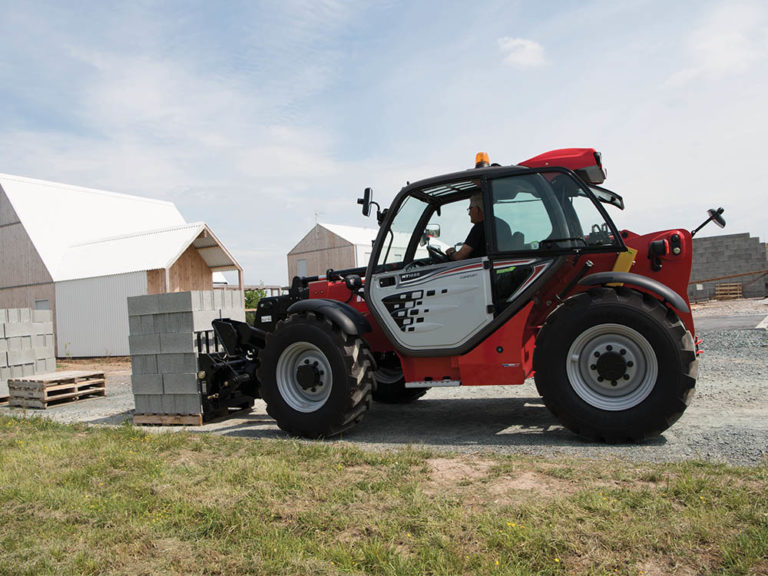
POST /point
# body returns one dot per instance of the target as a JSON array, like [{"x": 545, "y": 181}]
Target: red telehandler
[{"x": 599, "y": 316}]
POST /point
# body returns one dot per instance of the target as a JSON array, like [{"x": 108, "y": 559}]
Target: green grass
[{"x": 81, "y": 500}]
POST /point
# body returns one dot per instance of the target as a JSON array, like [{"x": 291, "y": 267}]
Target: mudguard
[
  {"x": 662, "y": 291},
  {"x": 351, "y": 321}
]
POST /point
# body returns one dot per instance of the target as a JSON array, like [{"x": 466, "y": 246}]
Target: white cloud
[
  {"x": 522, "y": 53},
  {"x": 729, "y": 40}
]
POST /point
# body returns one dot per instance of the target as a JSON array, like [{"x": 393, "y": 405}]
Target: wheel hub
[
  {"x": 612, "y": 367},
  {"x": 308, "y": 375}
]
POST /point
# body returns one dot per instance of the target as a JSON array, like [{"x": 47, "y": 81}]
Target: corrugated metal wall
[{"x": 92, "y": 314}]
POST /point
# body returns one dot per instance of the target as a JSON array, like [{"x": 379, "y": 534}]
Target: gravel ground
[{"x": 727, "y": 421}]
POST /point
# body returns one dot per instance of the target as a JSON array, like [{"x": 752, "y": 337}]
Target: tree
[{"x": 252, "y": 298}]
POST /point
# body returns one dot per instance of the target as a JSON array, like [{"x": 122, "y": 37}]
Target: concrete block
[
  {"x": 42, "y": 328},
  {"x": 3, "y": 345},
  {"x": 13, "y": 343},
  {"x": 179, "y": 322},
  {"x": 148, "y": 324},
  {"x": 147, "y": 383},
  {"x": 144, "y": 343},
  {"x": 140, "y": 305},
  {"x": 3, "y": 315},
  {"x": 28, "y": 369},
  {"x": 183, "y": 404},
  {"x": 148, "y": 403},
  {"x": 25, "y": 315},
  {"x": 14, "y": 315},
  {"x": 42, "y": 316},
  {"x": 50, "y": 364},
  {"x": 144, "y": 364},
  {"x": 176, "y": 363},
  {"x": 21, "y": 357},
  {"x": 134, "y": 325},
  {"x": 175, "y": 384},
  {"x": 40, "y": 367},
  {"x": 42, "y": 353},
  {"x": 181, "y": 342},
  {"x": 175, "y": 302},
  {"x": 18, "y": 329},
  {"x": 3, "y": 359}
]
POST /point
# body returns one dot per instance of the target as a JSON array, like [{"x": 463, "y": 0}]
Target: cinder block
[
  {"x": 3, "y": 345},
  {"x": 25, "y": 315},
  {"x": 144, "y": 343},
  {"x": 179, "y": 322},
  {"x": 134, "y": 325},
  {"x": 42, "y": 316},
  {"x": 148, "y": 403},
  {"x": 140, "y": 305},
  {"x": 182, "y": 342},
  {"x": 18, "y": 329},
  {"x": 147, "y": 383},
  {"x": 13, "y": 343},
  {"x": 183, "y": 404},
  {"x": 42, "y": 353},
  {"x": 148, "y": 324},
  {"x": 28, "y": 369},
  {"x": 21, "y": 357},
  {"x": 175, "y": 384},
  {"x": 42, "y": 328},
  {"x": 3, "y": 359},
  {"x": 144, "y": 364},
  {"x": 14, "y": 315},
  {"x": 50, "y": 364},
  {"x": 3, "y": 315},
  {"x": 175, "y": 302},
  {"x": 40, "y": 367},
  {"x": 176, "y": 363}
]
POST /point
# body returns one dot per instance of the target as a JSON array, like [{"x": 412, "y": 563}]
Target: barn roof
[
  {"x": 353, "y": 234},
  {"x": 82, "y": 233}
]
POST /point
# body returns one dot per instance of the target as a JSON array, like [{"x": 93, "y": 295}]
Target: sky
[{"x": 263, "y": 118}]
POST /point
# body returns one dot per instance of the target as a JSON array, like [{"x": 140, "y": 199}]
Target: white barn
[{"x": 81, "y": 252}]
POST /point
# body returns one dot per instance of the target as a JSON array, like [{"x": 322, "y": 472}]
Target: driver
[{"x": 474, "y": 245}]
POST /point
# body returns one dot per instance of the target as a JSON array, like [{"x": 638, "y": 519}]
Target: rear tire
[
  {"x": 315, "y": 380},
  {"x": 390, "y": 383},
  {"x": 615, "y": 365}
]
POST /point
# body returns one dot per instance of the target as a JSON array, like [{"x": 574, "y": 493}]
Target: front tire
[
  {"x": 615, "y": 365},
  {"x": 315, "y": 380}
]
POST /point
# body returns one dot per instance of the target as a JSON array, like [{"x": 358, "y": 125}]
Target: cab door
[{"x": 428, "y": 306}]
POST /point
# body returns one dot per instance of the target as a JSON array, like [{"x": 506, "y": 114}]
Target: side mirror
[
  {"x": 366, "y": 201},
  {"x": 715, "y": 216},
  {"x": 432, "y": 231}
]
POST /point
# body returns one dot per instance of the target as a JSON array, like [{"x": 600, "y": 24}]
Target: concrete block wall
[
  {"x": 26, "y": 344},
  {"x": 163, "y": 345},
  {"x": 717, "y": 256}
]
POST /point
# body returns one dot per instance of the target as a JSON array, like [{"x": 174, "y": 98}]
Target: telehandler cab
[{"x": 598, "y": 316}]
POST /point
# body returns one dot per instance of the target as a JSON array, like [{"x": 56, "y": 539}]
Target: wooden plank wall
[
  {"x": 189, "y": 272},
  {"x": 322, "y": 249}
]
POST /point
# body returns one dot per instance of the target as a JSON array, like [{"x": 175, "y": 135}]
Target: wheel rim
[
  {"x": 304, "y": 377},
  {"x": 612, "y": 367},
  {"x": 388, "y": 375}
]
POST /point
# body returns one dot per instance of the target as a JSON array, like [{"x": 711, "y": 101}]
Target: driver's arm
[{"x": 462, "y": 254}]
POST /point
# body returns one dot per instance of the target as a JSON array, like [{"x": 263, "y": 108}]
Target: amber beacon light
[{"x": 482, "y": 160}]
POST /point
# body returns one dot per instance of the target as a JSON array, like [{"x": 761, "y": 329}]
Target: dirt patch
[
  {"x": 449, "y": 475},
  {"x": 110, "y": 366}
]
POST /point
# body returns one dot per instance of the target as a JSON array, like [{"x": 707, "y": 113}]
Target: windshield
[{"x": 524, "y": 212}]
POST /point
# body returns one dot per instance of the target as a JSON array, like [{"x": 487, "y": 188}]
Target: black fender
[
  {"x": 351, "y": 321},
  {"x": 655, "y": 287}
]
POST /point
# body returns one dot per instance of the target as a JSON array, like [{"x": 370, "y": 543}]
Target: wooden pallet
[
  {"x": 168, "y": 419},
  {"x": 43, "y": 390},
  {"x": 4, "y": 400},
  {"x": 728, "y": 291}
]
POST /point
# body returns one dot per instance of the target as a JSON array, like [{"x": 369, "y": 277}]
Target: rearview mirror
[{"x": 366, "y": 201}]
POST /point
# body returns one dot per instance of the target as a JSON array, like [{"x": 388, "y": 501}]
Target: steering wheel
[{"x": 437, "y": 255}]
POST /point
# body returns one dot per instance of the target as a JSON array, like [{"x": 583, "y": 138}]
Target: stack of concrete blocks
[
  {"x": 26, "y": 344},
  {"x": 728, "y": 255},
  {"x": 163, "y": 346}
]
